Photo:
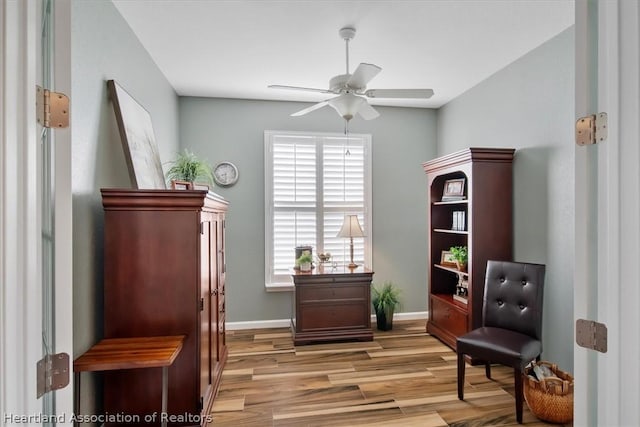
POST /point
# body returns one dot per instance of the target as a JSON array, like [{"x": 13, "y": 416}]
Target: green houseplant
[
  {"x": 460, "y": 254},
  {"x": 188, "y": 167},
  {"x": 385, "y": 300},
  {"x": 305, "y": 260}
]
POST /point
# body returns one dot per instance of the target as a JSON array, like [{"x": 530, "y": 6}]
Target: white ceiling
[{"x": 234, "y": 49}]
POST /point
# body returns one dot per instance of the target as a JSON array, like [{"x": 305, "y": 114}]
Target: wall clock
[{"x": 225, "y": 174}]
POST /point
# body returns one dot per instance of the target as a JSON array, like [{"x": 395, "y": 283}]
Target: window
[{"x": 311, "y": 181}]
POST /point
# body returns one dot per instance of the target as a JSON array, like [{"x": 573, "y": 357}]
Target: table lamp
[{"x": 351, "y": 228}]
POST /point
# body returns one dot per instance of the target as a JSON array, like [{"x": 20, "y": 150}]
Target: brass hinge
[
  {"x": 591, "y": 335},
  {"x": 52, "y": 108},
  {"x": 591, "y": 129},
  {"x": 201, "y": 304},
  {"x": 52, "y": 373}
]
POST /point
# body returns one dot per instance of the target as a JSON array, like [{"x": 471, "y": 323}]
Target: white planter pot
[{"x": 306, "y": 266}]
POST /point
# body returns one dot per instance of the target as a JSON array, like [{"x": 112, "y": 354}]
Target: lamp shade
[
  {"x": 350, "y": 227},
  {"x": 347, "y": 105}
]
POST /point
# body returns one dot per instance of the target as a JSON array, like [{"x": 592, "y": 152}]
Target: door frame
[
  {"x": 607, "y": 242},
  {"x": 20, "y": 270}
]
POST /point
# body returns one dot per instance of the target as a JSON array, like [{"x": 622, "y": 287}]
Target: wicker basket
[{"x": 550, "y": 399}]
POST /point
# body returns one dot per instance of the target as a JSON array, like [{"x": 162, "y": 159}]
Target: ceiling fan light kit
[{"x": 352, "y": 89}]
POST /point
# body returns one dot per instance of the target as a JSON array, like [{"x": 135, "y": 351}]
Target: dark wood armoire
[{"x": 164, "y": 274}]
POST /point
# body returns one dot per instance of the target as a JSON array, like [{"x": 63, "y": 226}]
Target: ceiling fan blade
[
  {"x": 310, "y": 109},
  {"x": 308, "y": 89},
  {"x": 399, "y": 93},
  {"x": 367, "y": 112},
  {"x": 363, "y": 75}
]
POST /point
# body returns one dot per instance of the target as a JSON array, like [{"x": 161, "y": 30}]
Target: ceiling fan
[{"x": 352, "y": 89}]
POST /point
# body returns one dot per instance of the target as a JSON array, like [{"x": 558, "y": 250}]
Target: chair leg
[
  {"x": 487, "y": 369},
  {"x": 517, "y": 376},
  {"x": 460, "y": 376}
]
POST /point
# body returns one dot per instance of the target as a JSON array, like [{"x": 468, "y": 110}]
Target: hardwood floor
[{"x": 403, "y": 378}]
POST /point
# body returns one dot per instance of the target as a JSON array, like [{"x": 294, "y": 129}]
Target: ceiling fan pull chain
[
  {"x": 347, "y": 50},
  {"x": 346, "y": 132}
]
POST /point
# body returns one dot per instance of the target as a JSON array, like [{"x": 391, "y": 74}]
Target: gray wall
[
  {"x": 529, "y": 105},
  {"x": 233, "y": 130},
  {"x": 103, "y": 48}
]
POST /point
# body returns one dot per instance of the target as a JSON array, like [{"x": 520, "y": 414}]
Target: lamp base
[{"x": 352, "y": 265}]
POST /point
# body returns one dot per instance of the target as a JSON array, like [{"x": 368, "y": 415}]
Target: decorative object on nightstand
[
  {"x": 304, "y": 261},
  {"x": 299, "y": 250},
  {"x": 225, "y": 174},
  {"x": 350, "y": 229},
  {"x": 324, "y": 257}
]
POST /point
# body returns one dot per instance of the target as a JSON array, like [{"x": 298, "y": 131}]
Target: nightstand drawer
[
  {"x": 448, "y": 317},
  {"x": 315, "y": 293},
  {"x": 319, "y": 317}
]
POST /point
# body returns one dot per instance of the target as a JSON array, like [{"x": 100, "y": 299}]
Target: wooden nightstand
[{"x": 331, "y": 305}]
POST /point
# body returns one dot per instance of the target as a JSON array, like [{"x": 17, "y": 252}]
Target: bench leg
[
  {"x": 165, "y": 389},
  {"x": 76, "y": 397}
]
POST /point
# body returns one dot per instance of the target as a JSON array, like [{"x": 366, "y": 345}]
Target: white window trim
[{"x": 268, "y": 210}]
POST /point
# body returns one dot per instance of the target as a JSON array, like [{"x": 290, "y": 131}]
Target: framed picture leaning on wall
[{"x": 138, "y": 140}]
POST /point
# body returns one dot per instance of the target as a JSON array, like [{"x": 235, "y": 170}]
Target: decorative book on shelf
[{"x": 458, "y": 221}]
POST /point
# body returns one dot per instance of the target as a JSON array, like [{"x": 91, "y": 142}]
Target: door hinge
[
  {"x": 52, "y": 108},
  {"x": 591, "y": 335},
  {"x": 591, "y": 129},
  {"x": 201, "y": 304},
  {"x": 52, "y": 373}
]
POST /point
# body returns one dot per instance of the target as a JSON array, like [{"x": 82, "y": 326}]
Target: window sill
[{"x": 278, "y": 287}]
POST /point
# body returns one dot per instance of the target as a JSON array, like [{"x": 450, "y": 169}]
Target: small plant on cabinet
[
  {"x": 304, "y": 262},
  {"x": 188, "y": 167}
]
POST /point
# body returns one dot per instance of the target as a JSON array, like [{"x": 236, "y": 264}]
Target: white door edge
[
  {"x": 63, "y": 206},
  {"x": 607, "y": 242},
  {"x": 21, "y": 320},
  {"x": 585, "y": 212}
]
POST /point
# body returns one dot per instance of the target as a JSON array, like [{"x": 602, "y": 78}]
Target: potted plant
[
  {"x": 385, "y": 300},
  {"x": 188, "y": 167},
  {"x": 305, "y": 260},
  {"x": 459, "y": 253}
]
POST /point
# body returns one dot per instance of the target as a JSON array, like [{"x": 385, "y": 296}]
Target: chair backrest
[{"x": 513, "y": 295}]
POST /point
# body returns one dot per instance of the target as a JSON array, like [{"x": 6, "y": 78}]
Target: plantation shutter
[{"x": 311, "y": 182}]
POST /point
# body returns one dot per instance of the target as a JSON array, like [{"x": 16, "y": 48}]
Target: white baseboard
[
  {"x": 258, "y": 324},
  {"x": 285, "y": 323}
]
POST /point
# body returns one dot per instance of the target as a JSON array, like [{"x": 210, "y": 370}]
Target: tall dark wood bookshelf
[{"x": 486, "y": 231}]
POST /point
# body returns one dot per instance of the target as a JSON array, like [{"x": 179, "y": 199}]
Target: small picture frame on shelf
[
  {"x": 447, "y": 260},
  {"x": 453, "y": 190},
  {"x": 181, "y": 185}
]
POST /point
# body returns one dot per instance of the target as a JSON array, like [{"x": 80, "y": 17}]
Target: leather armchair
[{"x": 511, "y": 332}]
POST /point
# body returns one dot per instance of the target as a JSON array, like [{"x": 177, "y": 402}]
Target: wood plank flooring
[{"x": 403, "y": 378}]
